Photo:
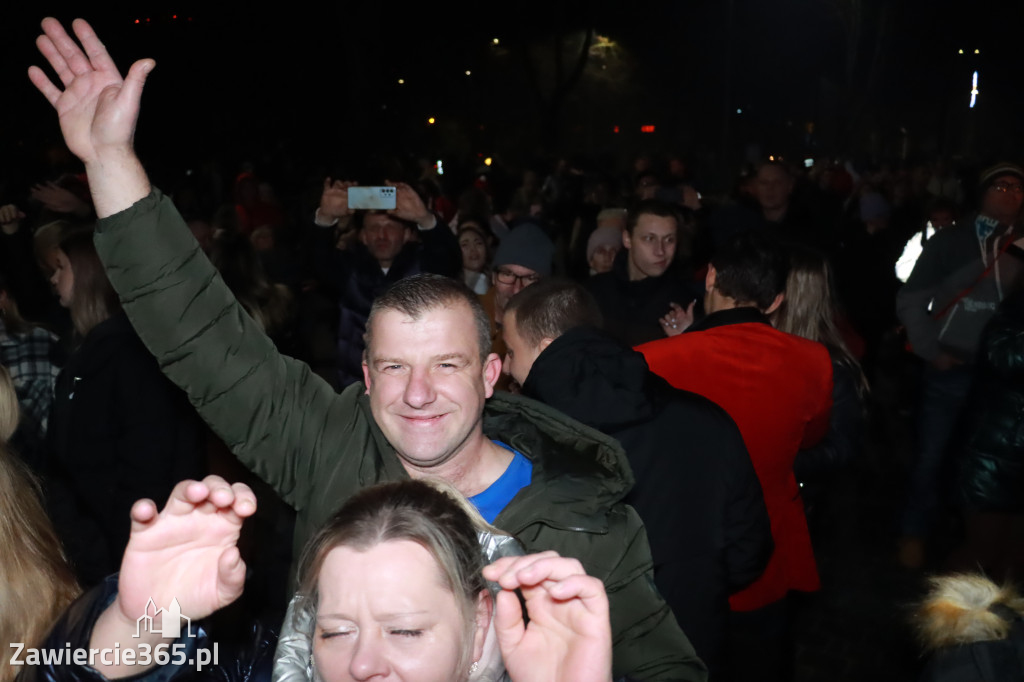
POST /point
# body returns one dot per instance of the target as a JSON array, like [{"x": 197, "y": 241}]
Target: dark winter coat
[
  {"x": 696, "y": 489},
  {"x": 119, "y": 431},
  {"x": 631, "y": 309},
  {"x": 992, "y": 459}
]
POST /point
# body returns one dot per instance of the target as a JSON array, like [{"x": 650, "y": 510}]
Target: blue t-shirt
[{"x": 497, "y": 496}]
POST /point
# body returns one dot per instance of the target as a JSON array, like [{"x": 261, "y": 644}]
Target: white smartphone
[{"x": 372, "y": 198}]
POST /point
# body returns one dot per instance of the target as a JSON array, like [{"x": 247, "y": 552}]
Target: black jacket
[
  {"x": 119, "y": 431},
  {"x": 991, "y": 466},
  {"x": 631, "y": 309},
  {"x": 696, "y": 489}
]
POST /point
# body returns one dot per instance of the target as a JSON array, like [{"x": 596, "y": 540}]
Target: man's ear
[
  {"x": 627, "y": 239},
  {"x": 779, "y": 298},
  {"x": 709, "y": 279},
  {"x": 366, "y": 373},
  {"x": 484, "y": 614},
  {"x": 544, "y": 343},
  {"x": 492, "y": 372}
]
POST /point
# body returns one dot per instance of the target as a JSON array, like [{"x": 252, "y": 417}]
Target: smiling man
[
  {"x": 428, "y": 370},
  {"x": 645, "y": 281}
]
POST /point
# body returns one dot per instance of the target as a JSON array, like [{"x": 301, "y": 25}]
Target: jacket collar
[
  {"x": 578, "y": 473},
  {"x": 741, "y": 315}
]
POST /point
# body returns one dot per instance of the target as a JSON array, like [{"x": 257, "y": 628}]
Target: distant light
[
  {"x": 739, "y": 111},
  {"x": 440, "y": 167},
  {"x": 147, "y": 20},
  {"x": 977, "y": 51},
  {"x": 495, "y": 41},
  {"x": 647, "y": 129},
  {"x": 808, "y": 163},
  {"x": 430, "y": 120},
  {"x": 488, "y": 161},
  {"x": 401, "y": 81},
  {"x": 468, "y": 72},
  {"x": 961, "y": 51},
  {"x": 974, "y": 89},
  {"x": 174, "y": 16},
  {"x": 136, "y": 21},
  {"x": 771, "y": 158},
  {"x": 615, "y": 129}
]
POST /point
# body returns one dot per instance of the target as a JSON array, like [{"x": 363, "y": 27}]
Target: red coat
[{"x": 778, "y": 389}]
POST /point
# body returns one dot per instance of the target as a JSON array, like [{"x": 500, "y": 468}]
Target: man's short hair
[
  {"x": 657, "y": 207},
  {"x": 416, "y": 295},
  {"x": 751, "y": 268},
  {"x": 550, "y": 308}
]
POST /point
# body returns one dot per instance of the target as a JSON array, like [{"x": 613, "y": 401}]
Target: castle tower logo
[{"x": 170, "y": 623}]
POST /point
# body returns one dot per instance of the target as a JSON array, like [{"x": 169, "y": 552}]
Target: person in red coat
[{"x": 778, "y": 389}]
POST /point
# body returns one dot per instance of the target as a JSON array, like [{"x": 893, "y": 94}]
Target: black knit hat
[{"x": 526, "y": 245}]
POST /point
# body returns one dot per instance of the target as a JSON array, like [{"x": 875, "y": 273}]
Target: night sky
[{"x": 871, "y": 79}]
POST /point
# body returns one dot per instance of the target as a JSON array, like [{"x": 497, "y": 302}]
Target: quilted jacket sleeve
[{"x": 269, "y": 409}]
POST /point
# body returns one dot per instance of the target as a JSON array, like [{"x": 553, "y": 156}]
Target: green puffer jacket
[{"x": 317, "y": 447}]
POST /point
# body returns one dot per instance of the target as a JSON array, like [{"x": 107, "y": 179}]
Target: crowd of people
[{"x": 574, "y": 430}]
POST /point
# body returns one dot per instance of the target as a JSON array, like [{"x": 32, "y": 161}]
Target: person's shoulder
[
  {"x": 601, "y": 553},
  {"x": 583, "y": 467},
  {"x": 812, "y": 354}
]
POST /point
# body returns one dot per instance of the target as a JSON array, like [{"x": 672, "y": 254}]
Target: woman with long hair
[
  {"x": 809, "y": 310},
  {"x": 119, "y": 430},
  {"x": 35, "y": 581}
]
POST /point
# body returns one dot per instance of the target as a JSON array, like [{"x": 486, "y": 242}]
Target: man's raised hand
[{"x": 98, "y": 108}]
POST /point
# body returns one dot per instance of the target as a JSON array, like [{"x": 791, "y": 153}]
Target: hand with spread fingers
[
  {"x": 188, "y": 550},
  {"x": 98, "y": 108},
  {"x": 569, "y": 636}
]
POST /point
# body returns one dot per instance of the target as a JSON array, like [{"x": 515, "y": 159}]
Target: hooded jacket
[
  {"x": 696, "y": 489},
  {"x": 317, "y": 447}
]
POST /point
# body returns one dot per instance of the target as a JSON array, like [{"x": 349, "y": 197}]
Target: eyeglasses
[
  {"x": 1014, "y": 187},
  {"x": 509, "y": 277}
]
